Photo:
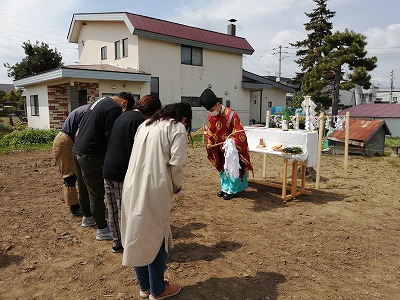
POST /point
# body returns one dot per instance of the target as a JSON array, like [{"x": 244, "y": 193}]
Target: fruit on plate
[{"x": 277, "y": 147}]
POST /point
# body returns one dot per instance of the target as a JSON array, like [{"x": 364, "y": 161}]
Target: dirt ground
[{"x": 341, "y": 242}]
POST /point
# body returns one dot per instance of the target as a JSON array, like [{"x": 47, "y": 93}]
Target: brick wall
[{"x": 63, "y": 99}]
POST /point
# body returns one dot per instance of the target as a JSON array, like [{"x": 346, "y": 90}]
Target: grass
[{"x": 391, "y": 141}]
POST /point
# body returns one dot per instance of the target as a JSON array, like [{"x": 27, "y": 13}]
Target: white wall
[
  {"x": 115, "y": 87},
  {"x": 99, "y": 34},
  {"x": 42, "y": 121},
  {"x": 222, "y": 70}
]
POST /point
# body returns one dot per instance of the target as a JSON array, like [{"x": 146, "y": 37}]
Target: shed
[
  {"x": 366, "y": 137},
  {"x": 383, "y": 111}
]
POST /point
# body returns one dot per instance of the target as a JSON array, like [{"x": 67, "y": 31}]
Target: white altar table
[{"x": 307, "y": 140}]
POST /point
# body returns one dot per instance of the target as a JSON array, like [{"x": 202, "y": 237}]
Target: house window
[
  {"x": 195, "y": 101},
  {"x": 103, "y": 52},
  {"x": 117, "y": 46},
  {"x": 269, "y": 104},
  {"x": 394, "y": 99},
  {"x": 191, "y": 55},
  {"x": 34, "y": 105},
  {"x": 155, "y": 86},
  {"x": 125, "y": 48}
]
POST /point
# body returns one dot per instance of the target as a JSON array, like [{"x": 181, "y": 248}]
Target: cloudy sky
[{"x": 266, "y": 24}]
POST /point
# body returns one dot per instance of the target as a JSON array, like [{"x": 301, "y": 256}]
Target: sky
[{"x": 266, "y": 24}]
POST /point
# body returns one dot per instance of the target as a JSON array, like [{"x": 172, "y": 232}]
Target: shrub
[{"x": 27, "y": 137}]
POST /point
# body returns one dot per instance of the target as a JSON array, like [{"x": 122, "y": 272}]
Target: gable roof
[
  {"x": 164, "y": 30},
  {"x": 254, "y": 81},
  {"x": 382, "y": 110},
  {"x": 360, "y": 130}
]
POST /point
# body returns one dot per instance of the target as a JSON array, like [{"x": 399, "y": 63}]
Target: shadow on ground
[{"x": 261, "y": 286}]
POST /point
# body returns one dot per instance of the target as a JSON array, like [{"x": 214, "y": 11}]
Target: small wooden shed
[{"x": 366, "y": 137}]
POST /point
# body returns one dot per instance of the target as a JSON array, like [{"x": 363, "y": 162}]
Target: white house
[{"x": 143, "y": 55}]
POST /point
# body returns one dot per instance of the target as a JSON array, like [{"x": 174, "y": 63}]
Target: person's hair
[
  {"x": 148, "y": 105},
  {"x": 175, "y": 111},
  {"x": 129, "y": 98}
]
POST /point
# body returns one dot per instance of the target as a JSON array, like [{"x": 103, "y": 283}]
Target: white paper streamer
[{"x": 231, "y": 154}]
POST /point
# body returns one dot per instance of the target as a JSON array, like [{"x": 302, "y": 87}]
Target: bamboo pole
[
  {"x": 267, "y": 118},
  {"x": 320, "y": 139},
  {"x": 204, "y": 133},
  {"x": 346, "y": 142},
  {"x": 297, "y": 121}
]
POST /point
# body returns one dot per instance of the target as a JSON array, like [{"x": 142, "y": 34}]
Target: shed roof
[
  {"x": 383, "y": 110},
  {"x": 361, "y": 130},
  {"x": 164, "y": 30}
]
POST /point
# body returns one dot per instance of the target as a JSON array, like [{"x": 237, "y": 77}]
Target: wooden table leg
[
  {"x": 284, "y": 178},
  {"x": 293, "y": 189},
  {"x": 303, "y": 177},
  {"x": 264, "y": 166}
]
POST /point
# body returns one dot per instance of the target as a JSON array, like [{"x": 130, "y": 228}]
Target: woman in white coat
[{"x": 154, "y": 174}]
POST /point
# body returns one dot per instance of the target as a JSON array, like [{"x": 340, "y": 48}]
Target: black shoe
[
  {"x": 117, "y": 249},
  {"x": 229, "y": 196},
  {"x": 220, "y": 193},
  {"x": 76, "y": 210}
]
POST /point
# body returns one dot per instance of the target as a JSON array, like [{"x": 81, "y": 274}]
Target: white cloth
[
  {"x": 307, "y": 140},
  {"x": 231, "y": 154},
  {"x": 154, "y": 174}
]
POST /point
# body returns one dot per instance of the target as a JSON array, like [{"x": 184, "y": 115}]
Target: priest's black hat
[{"x": 208, "y": 99}]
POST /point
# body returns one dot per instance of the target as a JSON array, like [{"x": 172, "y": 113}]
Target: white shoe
[
  {"x": 88, "y": 221},
  {"x": 144, "y": 294},
  {"x": 103, "y": 234}
]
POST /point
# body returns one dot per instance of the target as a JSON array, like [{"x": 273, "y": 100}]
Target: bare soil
[{"x": 341, "y": 242}]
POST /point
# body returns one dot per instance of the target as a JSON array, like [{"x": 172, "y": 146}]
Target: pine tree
[
  {"x": 319, "y": 28},
  {"x": 39, "y": 58},
  {"x": 345, "y": 63},
  {"x": 324, "y": 59}
]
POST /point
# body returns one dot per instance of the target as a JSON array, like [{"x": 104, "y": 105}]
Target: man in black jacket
[{"x": 89, "y": 151}]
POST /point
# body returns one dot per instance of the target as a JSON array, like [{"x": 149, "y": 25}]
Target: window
[
  {"x": 191, "y": 55},
  {"x": 155, "y": 86},
  {"x": 394, "y": 100},
  {"x": 269, "y": 104},
  {"x": 103, "y": 51},
  {"x": 195, "y": 101},
  {"x": 125, "y": 48},
  {"x": 34, "y": 105},
  {"x": 117, "y": 46}
]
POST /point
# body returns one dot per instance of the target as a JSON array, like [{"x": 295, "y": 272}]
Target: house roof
[
  {"x": 382, "y": 110},
  {"x": 255, "y": 82},
  {"x": 165, "y": 30},
  {"x": 360, "y": 130},
  {"x": 6, "y": 87},
  {"x": 101, "y": 72}
]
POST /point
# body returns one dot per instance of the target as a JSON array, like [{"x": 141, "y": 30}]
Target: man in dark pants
[{"x": 89, "y": 150}]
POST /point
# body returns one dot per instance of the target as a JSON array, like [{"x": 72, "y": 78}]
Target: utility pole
[
  {"x": 391, "y": 87},
  {"x": 280, "y": 61}
]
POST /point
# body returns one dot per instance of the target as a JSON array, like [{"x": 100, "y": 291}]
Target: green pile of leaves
[
  {"x": 27, "y": 139},
  {"x": 292, "y": 150}
]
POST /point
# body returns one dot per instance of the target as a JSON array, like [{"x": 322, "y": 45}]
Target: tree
[
  {"x": 15, "y": 96},
  {"x": 310, "y": 52},
  {"x": 39, "y": 58},
  {"x": 331, "y": 62},
  {"x": 345, "y": 63}
]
